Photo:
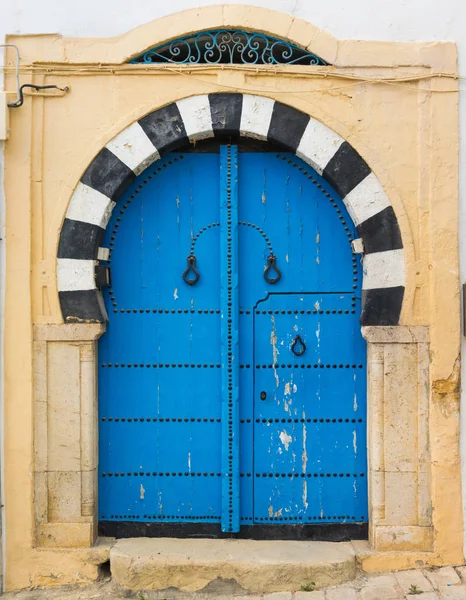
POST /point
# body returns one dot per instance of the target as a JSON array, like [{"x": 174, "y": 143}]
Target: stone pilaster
[
  {"x": 65, "y": 434},
  {"x": 398, "y": 438}
]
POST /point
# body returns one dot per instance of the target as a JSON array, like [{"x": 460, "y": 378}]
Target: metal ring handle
[
  {"x": 272, "y": 264},
  {"x": 191, "y": 269}
]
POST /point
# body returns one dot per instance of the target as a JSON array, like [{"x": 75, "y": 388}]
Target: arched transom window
[{"x": 229, "y": 46}]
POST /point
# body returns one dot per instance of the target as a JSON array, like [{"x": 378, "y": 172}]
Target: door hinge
[
  {"x": 102, "y": 276},
  {"x": 357, "y": 246},
  {"x": 103, "y": 253}
]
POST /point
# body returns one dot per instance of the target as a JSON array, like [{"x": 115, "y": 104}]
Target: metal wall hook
[
  {"x": 298, "y": 347},
  {"x": 191, "y": 269},
  {"x": 272, "y": 265}
]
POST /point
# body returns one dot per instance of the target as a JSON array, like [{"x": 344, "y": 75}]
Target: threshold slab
[{"x": 257, "y": 566}]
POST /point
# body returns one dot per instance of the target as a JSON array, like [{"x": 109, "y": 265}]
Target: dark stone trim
[
  {"x": 108, "y": 175},
  {"x": 165, "y": 128},
  {"x": 287, "y": 126},
  {"x": 346, "y": 169},
  {"x": 225, "y": 111},
  {"x": 84, "y": 306},
  {"x": 381, "y": 232},
  {"x": 80, "y": 240},
  {"x": 328, "y": 532},
  {"x": 382, "y": 306}
]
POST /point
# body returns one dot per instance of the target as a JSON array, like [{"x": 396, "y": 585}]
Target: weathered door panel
[
  {"x": 160, "y": 376},
  {"x": 168, "y": 339},
  {"x": 177, "y": 403},
  {"x": 287, "y": 209},
  {"x": 309, "y": 419}
]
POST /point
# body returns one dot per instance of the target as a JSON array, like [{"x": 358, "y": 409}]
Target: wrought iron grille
[{"x": 227, "y": 46}]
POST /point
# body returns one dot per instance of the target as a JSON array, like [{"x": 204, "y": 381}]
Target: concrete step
[{"x": 257, "y": 566}]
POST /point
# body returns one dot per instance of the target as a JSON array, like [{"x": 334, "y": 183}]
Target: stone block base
[
  {"x": 403, "y": 538},
  {"x": 65, "y": 535},
  {"x": 258, "y": 566}
]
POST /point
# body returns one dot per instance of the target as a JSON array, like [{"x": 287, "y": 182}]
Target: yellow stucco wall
[{"x": 406, "y": 131}]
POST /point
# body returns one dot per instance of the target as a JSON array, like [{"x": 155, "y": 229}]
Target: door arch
[
  {"x": 201, "y": 117},
  {"x": 237, "y": 398}
]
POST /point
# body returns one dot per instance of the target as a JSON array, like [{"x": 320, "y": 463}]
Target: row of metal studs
[
  {"x": 216, "y": 518},
  {"x": 261, "y": 231},
  {"x": 342, "y": 517},
  {"x": 256, "y": 227},
  {"x": 164, "y": 517},
  {"x": 161, "y": 420},
  {"x": 307, "y": 518},
  {"x": 181, "y": 156},
  {"x": 158, "y": 474},
  {"x": 211, "y": 420},
  {"x": 309, "y": 312},
  {"x": 199, "y": 233},
  {"x": 145, "y": 181},
  {"x": 335, "y": 206},
  {"x": 354, "y": 475},
  {"x": 304, "y": 312},
  {"x": 229, "y": 343},
  {"x": 189, "y": 474},
  {"x": 309, "y": 366},
  {"x": 125, "y": 206},
  {"x": 185, "y": 311},
  {"x": 309, "y": 420},
  {"x": 162, "y": 365},
  {"x": 170, "y": 311},
  {"x": 216, "y": 311},
  {"x": 116, "y": 226},
  {"x": 217, "y": 366}
]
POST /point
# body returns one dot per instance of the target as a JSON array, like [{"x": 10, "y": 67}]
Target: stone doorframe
[
  {"x": 410, "y": 140},
  {"x": 397, "y": 521},
  {"x": 400, "y": 516}
]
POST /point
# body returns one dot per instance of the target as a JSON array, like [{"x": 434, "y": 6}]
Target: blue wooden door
[
  {"x": 160, "y": 375},
  {"x": 234, "y": 396}
]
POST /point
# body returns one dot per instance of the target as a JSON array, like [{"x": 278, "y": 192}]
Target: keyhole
[{"x": 298, "y": 347}]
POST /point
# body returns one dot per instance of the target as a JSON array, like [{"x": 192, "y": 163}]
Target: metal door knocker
[
  {"x": 298, "y": 347},
  {"x": 272, "y": 265},
  {"x": 191, "y": 274}
]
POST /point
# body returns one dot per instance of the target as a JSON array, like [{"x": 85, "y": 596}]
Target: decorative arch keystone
[{"x": 216, "y": 115}]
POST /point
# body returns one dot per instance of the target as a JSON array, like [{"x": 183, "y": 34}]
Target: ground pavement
[{"x": 446, "y": 583}]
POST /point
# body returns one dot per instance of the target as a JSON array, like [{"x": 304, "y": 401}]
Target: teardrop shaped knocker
[
  {"x": 298, "y": 347},
  {"x": 191, "y": 274},
  {"x": 272, "y": 265}
]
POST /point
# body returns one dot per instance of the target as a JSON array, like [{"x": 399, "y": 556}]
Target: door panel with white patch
[{"x": 309, "y": 410}]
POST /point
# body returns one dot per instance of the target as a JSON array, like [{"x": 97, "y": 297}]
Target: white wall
[
  {"x": 402, "y": 20},
  {"x": 394, "y": 20}
]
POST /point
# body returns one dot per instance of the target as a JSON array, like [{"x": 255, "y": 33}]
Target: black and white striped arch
[{"x": 200, "y": 117}]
